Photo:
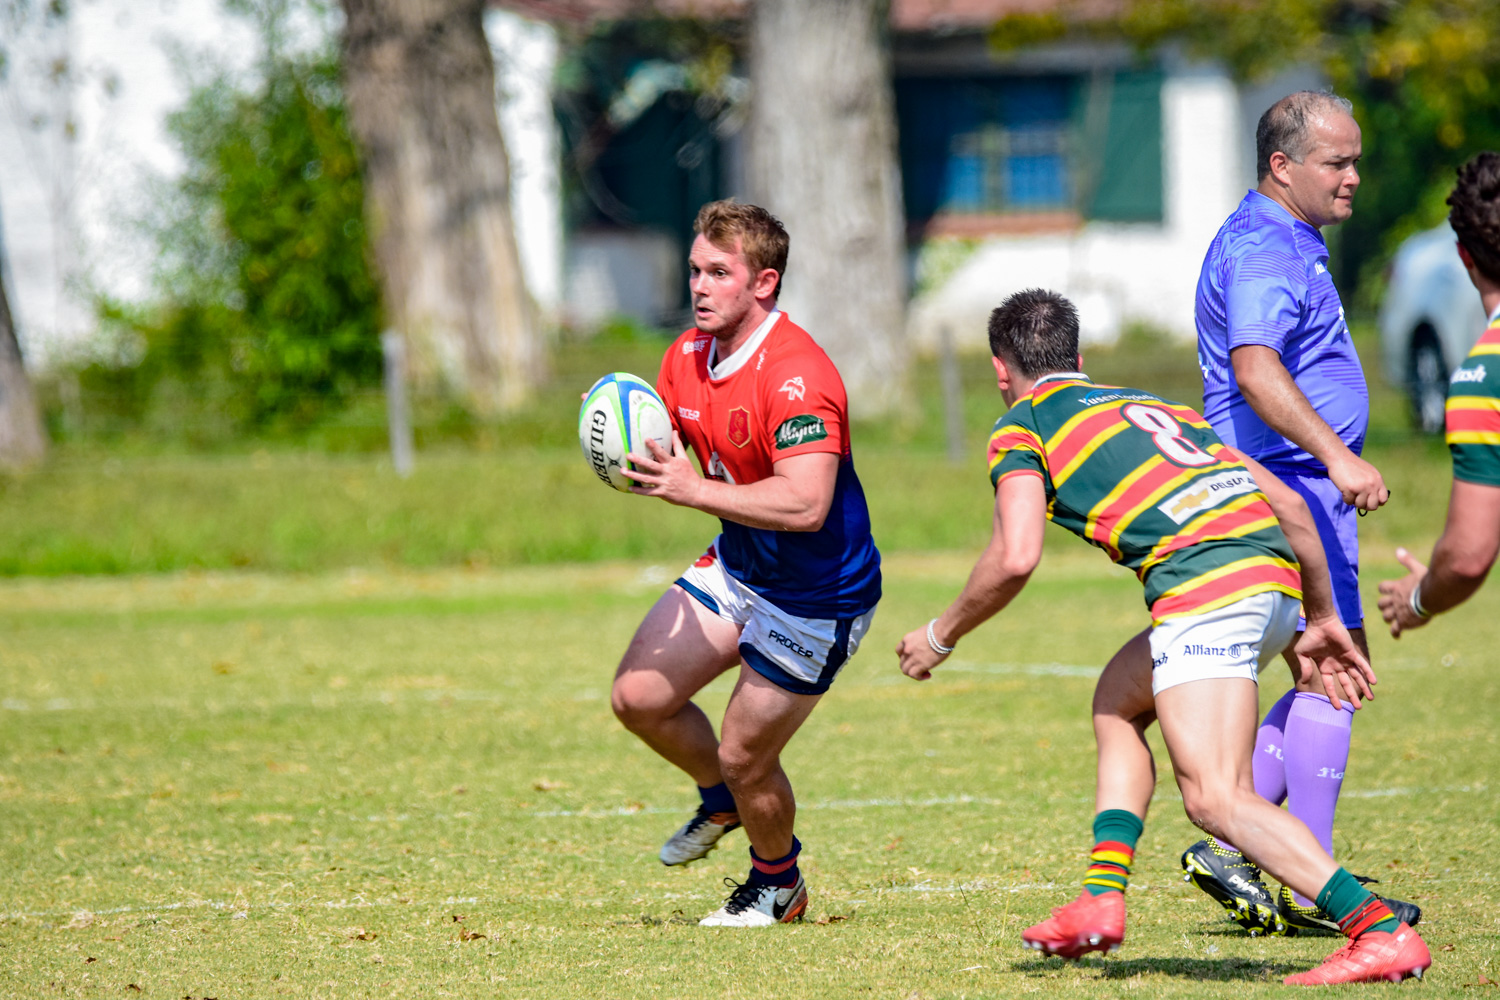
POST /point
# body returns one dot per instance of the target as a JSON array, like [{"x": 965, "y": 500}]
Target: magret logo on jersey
[
  {"x": 738, "y": 430},
  {"x": 1206, "y": 493},
  {"x": 800, "y": 430},
  {"x": 1468, "y": 375},
  {"x": 793, "y": 388},
  {"x": 696, "y": 344}
]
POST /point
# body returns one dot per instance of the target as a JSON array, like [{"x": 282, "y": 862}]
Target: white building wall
[
  {"x": 79, "y": 152},
  {"x": 81, "y": 160},
  {"x": 1116, "y": 273},
  {"x": 525, "y": 55}
]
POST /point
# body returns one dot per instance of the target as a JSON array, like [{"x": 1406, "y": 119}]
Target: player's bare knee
[
  {"x": 1207, "y": 806},
  {"x": 742, "y": 765},
  {"x": 634, "y": 705}
]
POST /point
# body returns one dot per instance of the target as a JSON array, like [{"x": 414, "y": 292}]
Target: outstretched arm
[
  {"x": 1461, "y": 560},
  {"x": 1326, "y": 647},
  {"x": 1014, "y": 550}
]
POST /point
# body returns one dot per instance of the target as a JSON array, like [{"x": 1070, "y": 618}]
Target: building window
[{"x": 998, "y": 153}]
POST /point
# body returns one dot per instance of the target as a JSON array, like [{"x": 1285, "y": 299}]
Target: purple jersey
[{"x": 1265, "y": 281}]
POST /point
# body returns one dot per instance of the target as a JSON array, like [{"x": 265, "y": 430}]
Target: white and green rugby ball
[{"x": 619, "y": 413}]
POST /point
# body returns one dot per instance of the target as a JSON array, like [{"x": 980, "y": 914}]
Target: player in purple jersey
[{"x": 1283, "y": 383}]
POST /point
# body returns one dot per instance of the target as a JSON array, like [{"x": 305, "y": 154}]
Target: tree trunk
[
  {"x": 822, "y": 157},
  {"x": 23, "y": 442},
  {"x": 421, "y": 92}
]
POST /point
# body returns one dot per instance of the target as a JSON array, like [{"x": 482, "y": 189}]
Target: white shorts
[
  {"x": 802, "y": 655},
  {"x": 1233, "y": 641}
]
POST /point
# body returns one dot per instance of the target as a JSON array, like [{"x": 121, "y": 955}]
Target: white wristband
[
  {"x": 1416, "y": 603},
  {"x": 937, "y": 647}
]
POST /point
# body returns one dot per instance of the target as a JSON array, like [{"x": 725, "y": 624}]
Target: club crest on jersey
[
  {"x": 793, "y": 388},
  {"x": 738, "y": 431}
]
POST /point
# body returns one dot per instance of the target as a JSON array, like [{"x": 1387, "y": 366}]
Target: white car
[{"x": 1429, "y": 320}]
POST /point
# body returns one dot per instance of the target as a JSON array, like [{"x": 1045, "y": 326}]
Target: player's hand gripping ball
[{"x": 619, "y": 413}]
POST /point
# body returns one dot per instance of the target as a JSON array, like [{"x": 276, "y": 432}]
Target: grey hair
[{"x": 1286, "y": 126}]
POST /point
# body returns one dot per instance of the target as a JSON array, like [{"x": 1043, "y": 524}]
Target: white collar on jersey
[
  {"x": 1495, "y": 315},
  {"x": 1058, "y": 375},
  {"x": 736, "y": 361}
]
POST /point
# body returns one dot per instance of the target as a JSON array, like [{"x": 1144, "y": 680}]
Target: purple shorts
[{"x": 1336, "y": 523}]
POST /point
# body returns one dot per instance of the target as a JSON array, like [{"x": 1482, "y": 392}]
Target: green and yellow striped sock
[{"x": 1115, "y": 834}]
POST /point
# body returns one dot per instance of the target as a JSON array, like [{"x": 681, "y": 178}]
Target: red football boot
[
  {"x": 1372, "y": 956},
  {"x": 1089, "y": 923}
]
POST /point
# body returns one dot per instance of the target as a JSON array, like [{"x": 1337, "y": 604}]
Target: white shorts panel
[
  {"x": 802, "y": 655},
  {"x": 1233, "y": 641}
]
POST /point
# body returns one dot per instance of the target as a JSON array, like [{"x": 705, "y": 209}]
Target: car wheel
[{"x": 1429, "y": 382}]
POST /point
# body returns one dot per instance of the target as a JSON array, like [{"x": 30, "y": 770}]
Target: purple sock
[
  {"x": 1268, "y": 763},
  {"x": 1270, "y": 745},
  {"x": 1317, "y": 751}
]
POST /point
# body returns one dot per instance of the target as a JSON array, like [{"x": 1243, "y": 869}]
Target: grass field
[
  {"x": 519, "y": 493},
  {"x": 276, "y": 723},
  {"x": 382, "y": 783}
]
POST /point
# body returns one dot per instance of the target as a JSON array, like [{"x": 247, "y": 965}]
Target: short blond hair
[{"x": 761, "y": 238}]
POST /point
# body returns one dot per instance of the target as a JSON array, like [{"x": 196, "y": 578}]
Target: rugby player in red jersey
[
  {"x": 787, "y": 590},
  {"x": 1217, "y": 542}
]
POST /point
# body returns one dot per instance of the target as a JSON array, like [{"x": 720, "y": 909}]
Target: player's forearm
[
  {"x": 1274, "y": 396},
  {"x": 1302, "y": 535},
  {"x": 1317, "y": 587},
  {"x": 1451, "y": 579},
  {"x": 993, "y": 583},
  {"x": 776, "y": 503},
  {"x": 1462, "y": 557},
  {"x": 1007, "y": 562}
]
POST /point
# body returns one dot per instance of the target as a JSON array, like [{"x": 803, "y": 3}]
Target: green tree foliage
[
  {"x": 1424, "y": 76},
  {"x": 269, "y": 312}
]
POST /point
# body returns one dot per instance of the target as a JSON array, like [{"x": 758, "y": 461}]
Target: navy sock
[
  {"x": 717, "y": 799},
  {"x": 782, "y": 871}
]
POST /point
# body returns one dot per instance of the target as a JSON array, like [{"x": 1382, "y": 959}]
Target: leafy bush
[{"x": 268, "y": 314}]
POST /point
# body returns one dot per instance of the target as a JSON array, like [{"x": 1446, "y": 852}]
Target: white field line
[
  {"x": 83, "y": 916},
  {"x": 839, "y": 805},
  {"x": 832, "y": 804},
  {"x": 332, "y": 700}
]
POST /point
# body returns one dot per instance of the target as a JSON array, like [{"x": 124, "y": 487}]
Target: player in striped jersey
[
  {"x": 1225, "y": 551},
  {"x": 1462, "y": 557}
]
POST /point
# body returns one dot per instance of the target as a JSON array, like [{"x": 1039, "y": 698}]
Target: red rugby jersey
[
  {"x": 788, "y": 399},
  {"x": 785, "y": 400}
]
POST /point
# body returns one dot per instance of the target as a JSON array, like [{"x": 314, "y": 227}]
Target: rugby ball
[{"x": 619, "y": 413}]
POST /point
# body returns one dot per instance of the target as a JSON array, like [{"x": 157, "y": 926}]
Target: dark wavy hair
[
  {"x": 1474, "y": 212},
  {"x": 1035, "y": 332}
]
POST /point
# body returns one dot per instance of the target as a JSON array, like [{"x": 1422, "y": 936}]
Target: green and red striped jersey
[
  {"x": 1149, "y": 482},
  {"x": 1473, "y": 412}
]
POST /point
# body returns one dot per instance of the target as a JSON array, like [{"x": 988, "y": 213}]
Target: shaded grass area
[
  {"x": 519, "y": 493},
  {"x": 378, "y": 783}
]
